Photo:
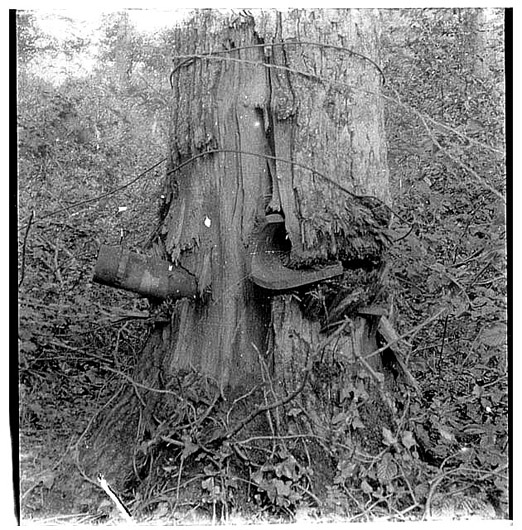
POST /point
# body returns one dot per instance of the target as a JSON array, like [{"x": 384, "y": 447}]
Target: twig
[
  {"x": 205, "y": 415},
  {"x": 240, "y": 398},
  {"x": 495, "y": 381},
  {"x": 349, "y": 493},
  {"x": 378, "y": 377},
  {"x": 405, "y": 478},
  {"x": 278, "y": 159},
  {"x": 172, "y": 441},
  {"x": 405, "y": 511},
  {"x": 433, "y": 486},
  {"x": 267, "y": 381},
  {"x": 182, "y": 460},
  {"x": 441, "y": 351},
  {"x": 309, "y": 493},
  {"x": 57, "y": 271},
  {"x": 22, "y": 273},
  {"x": 453, "y": 280},
  {"x": 82, "y": 436},
  {"x": 270, "y": 406},
  {"x": 464, "y": 166},
  {"x": 372, "y": 506},
  {"x": 139, "y": 385},
  {"x": 473, "y": 257}
]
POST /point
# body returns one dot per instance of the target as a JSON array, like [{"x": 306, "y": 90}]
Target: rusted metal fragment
[
  {"x": 269, "y": 252},
  {"x": 151, "y": 277}
]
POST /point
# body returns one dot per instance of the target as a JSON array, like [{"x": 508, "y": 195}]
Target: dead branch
[{"x": 411, "y": 332}]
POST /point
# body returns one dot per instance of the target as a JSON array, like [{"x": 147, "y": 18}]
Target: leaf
[
  {"x": 386, "y": 469},
  {"x": 208, "y": 484},
  {"x": 408, "y": 440},
  {"x": 446, "y": 434},
  {"x": 347, "y": 470},
  {"x": 389, "y": 439},
  {"x": 366, "y": 487},
  {"x": 257, "y": 477},
  {"x": 283, "y": 490},
  {"x": 357, "y": 423},
  {"x": 433, "y": 282},
  {"x": 189, "y": 448},
  {"x": 494, "y": 336},
  {"x": 288, "y": 468},
  {"x": 339, "y": 418},
  {"x": 421, "y": 490}
]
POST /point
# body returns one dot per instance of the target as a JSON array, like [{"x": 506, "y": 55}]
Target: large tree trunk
[
  {"x": 294, "y": 126},
  {"x": 232, "y": 102}
]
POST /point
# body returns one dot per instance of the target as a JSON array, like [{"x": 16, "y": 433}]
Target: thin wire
[
  {"x": 189, "y": 58},
  {"x": 292, "y": 162},
  {"x": 103, "y": 195}
]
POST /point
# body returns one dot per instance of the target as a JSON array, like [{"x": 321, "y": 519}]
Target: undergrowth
[{"x": 78, "y": 342}]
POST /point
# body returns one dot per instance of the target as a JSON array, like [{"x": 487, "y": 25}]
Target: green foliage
[
  {"x": 78, "y": 140},
  {"x": 447, "y": 65}
]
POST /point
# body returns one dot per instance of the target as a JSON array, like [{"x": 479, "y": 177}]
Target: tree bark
[
  {"x": 285, "y": 116},
  {"x": 330, "y": 120}
]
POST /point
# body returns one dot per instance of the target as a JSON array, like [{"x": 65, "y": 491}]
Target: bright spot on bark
[
  {"x": 257, "y": 124},
  {"x": 207, "y": 222},
  {"x": 122, "y": 209}
]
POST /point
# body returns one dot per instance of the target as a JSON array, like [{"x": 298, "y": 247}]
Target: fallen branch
[
  {"x": 411, "y": 332},
  {"x": 115, "y": 499}
]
